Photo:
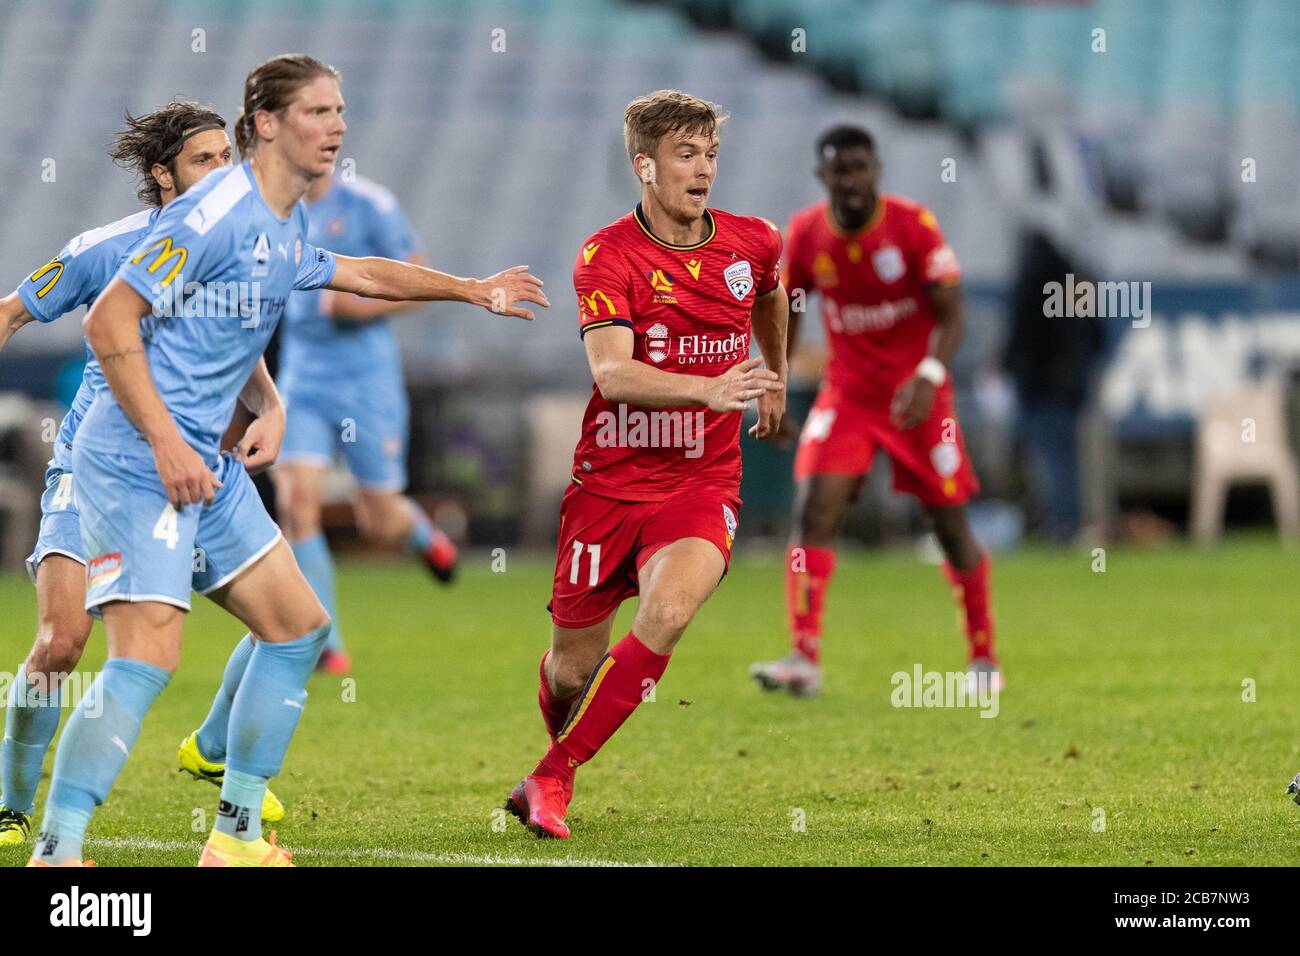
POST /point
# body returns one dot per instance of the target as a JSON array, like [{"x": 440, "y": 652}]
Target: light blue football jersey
[
  {"x": 73, "y": 278},
  {"x": 217, "y": 269},
  {"x": 358, "y": 218}
]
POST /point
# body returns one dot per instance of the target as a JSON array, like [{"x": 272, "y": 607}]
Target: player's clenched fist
[
  {"x": 912, "y": 403},
  {"x": 515, "y": 284},
  {"x": 186, "y": 479},
  {"x": 739, "y": 385}
]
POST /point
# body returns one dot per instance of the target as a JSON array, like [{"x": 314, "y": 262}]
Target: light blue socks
[
  {"x": 263, "y": 717},
  {"x": 211, "y": 736},
  {"x": 95, "y": 745},
  {"x": 31, "y": 721}
]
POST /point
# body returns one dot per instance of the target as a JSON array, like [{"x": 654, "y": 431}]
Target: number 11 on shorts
[{"x": 593, "y": 575}]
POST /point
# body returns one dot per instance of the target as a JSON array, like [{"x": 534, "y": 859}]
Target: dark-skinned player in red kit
[{"x": 891, "y": 305}]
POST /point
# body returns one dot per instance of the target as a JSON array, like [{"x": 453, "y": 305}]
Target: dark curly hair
[{"x": 157, "y": 138}]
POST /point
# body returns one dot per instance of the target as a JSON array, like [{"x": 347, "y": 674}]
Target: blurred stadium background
[{"x": 1119, "y": 140}]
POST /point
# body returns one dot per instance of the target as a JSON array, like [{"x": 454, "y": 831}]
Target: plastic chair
[{"x": 1241, "y": 437}]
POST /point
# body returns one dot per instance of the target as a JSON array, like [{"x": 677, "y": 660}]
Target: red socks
[
  {"x": 613, "y": 691},
  {"x": 554, "y": 709},
  {"x": 807, "y": 575},
  {"x": 971, "y": 591}
]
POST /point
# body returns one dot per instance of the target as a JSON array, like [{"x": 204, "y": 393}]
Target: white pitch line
[{"x": 379, "y": 853}]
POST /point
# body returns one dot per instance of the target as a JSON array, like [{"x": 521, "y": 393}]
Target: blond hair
[
  {"x": 649, "y": 118},
  {"x": 271, "y": 86}
]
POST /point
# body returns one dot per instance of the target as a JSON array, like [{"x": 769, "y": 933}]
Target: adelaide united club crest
[{"x": 740, "y": 278}]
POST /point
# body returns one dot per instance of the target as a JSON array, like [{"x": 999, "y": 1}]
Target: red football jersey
[
  {"x": 689, "y": 309},
  {"x": 872, "y": 283}
]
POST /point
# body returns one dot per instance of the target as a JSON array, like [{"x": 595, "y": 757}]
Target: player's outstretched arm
[
  {"x": 260, "y": 446},
  {"x": 770, "y": 317},
  {"x": 113, "y": 333},
  {"x": 348, "y": 307},
  {"x": 13, "y": 316},
  {"x": 623, "y": 379},
  {"x": 378, "y": 278}
]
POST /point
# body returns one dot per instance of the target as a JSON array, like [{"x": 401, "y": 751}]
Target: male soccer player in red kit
[
  {"x": 891, "y": 304},
  {"x": 669, "y": 296}
]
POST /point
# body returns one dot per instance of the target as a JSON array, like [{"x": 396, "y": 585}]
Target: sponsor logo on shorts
[
  {"x": 103, "y": 570},
  {"x": 740, "y": 278},
  {"x": 729, "y": 518},
  {"x": 946, "y": 459},
  {"x": 818, "y": 425}
]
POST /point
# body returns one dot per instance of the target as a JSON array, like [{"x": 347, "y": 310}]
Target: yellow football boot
[
  {"x": 200, "y": 768},
  {"x": 15, "y": 827}
]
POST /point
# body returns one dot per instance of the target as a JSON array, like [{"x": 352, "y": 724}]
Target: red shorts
[
  {"x": 930, "y": 461},
  {"x": 605, "y": 541}
]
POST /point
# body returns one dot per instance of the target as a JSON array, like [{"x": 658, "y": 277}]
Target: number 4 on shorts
[
  {"x": 164, "y": 529},
  {"x": 63, "y": 493}
]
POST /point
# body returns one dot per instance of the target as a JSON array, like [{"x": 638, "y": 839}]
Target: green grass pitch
[{"x": 1125, "y": 704}]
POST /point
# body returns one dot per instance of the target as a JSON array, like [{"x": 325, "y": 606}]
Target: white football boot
[
  {"x": 983, "y": 670},
  {"x": 794, "y": 672}
]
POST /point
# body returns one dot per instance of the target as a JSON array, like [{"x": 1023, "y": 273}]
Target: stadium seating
[
  {"x": 498, "y": 124},
  {"x": 499, "y": 160}
]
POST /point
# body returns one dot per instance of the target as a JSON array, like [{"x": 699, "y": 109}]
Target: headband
[{"x": 174, "y": 150}]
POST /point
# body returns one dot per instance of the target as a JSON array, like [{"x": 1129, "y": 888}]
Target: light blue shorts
[
  {"x": 60, "y": 521},
  {"x": 368, "y": 422},
  {"x": 140, "y": 548}
]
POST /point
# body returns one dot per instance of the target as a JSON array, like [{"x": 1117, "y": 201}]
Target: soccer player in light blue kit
[
  {"x": 341, "y": 380},
  {"x": 171, "y": 149},
  {"x": 178, "y": 332}
]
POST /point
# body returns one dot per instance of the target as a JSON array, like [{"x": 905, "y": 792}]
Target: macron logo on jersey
[{"x": 210, "y": 210}]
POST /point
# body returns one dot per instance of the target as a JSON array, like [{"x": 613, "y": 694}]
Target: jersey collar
[
  {"x": 639, "y": 215},
  {"x": 872, "y": 222}
]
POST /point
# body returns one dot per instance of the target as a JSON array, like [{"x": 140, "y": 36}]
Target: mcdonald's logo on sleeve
[
  {"x": 53, "y": 269},
  {"x": 591, "y": 303}
]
